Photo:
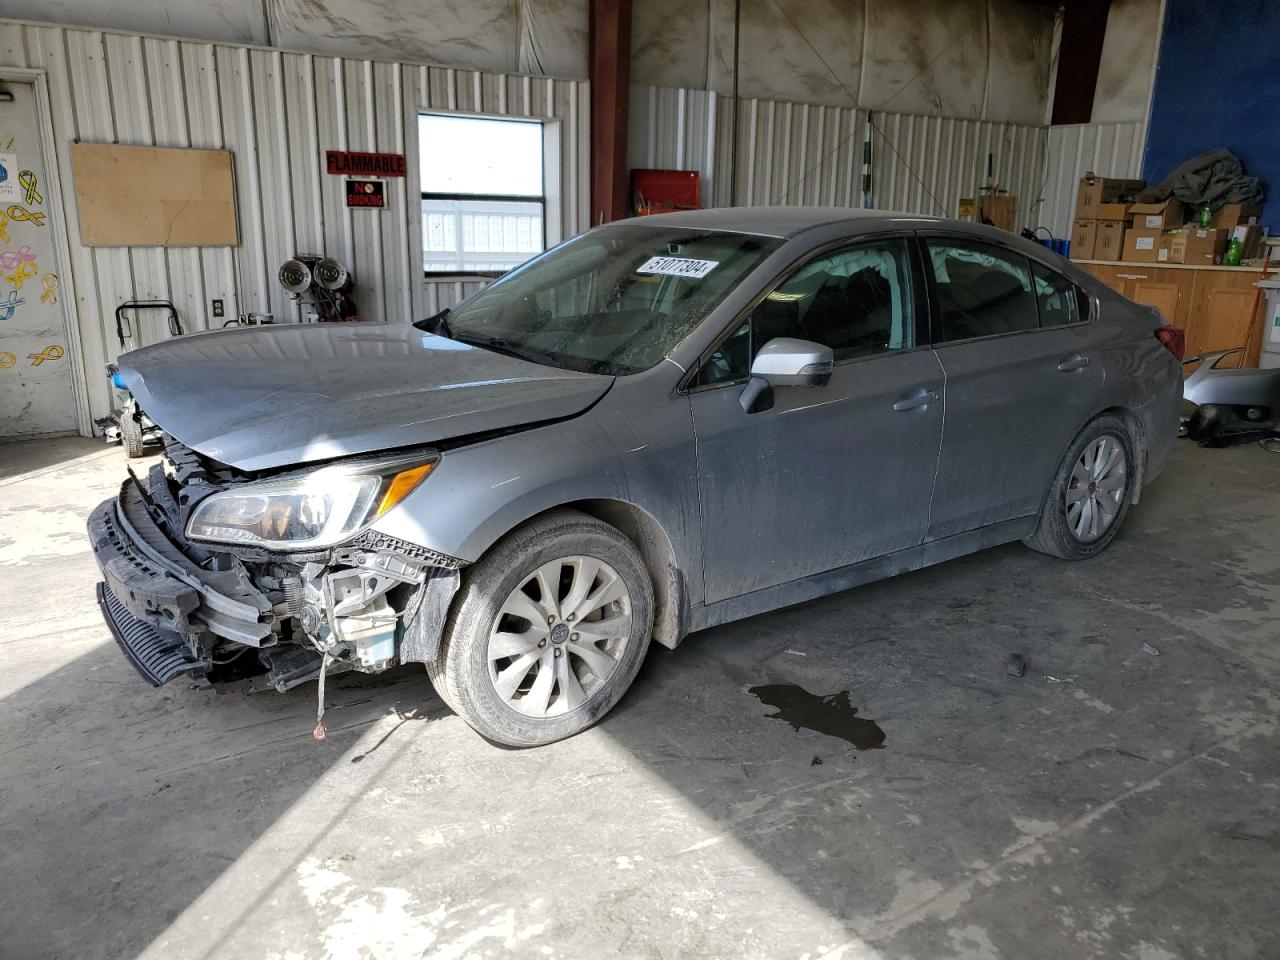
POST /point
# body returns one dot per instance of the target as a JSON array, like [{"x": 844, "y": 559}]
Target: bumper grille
[{"x": 158, "y": 655}]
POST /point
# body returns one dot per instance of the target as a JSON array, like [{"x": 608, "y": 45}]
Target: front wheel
[
  {"x": 1090, "y": 494},
  {"x": 547, "y": 632}
]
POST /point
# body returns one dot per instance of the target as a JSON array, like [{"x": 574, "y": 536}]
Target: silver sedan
[{"x": 661, "y": 425}]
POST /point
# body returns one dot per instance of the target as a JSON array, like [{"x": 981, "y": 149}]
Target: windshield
[{"x": 615, "y": 300}]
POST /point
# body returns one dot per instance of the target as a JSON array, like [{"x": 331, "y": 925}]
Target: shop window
[{"x": 483, "y": 195}]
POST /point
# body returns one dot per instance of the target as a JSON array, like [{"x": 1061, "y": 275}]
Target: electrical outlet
[{"x": 218, "y": 309}]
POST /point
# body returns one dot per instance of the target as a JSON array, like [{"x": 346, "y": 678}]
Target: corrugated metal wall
[
  {"x": 798, "y": 153},
  {"x": 927, "y": 164},
  {"x": 1107, "y": 149},
  {"x": 278, "y": 113},
  {"x": 672, "y": 128},
  {"x": 794, "y": 153},
  {"x": 788, "y": 153}
]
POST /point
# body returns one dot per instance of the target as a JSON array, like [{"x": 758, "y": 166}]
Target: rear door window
[
  {"x": 1060, "y": 301},
  {"x": 983, "y": 290}
]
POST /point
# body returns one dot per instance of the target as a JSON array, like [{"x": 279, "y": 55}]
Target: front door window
[{"x": 855, "y": 300}]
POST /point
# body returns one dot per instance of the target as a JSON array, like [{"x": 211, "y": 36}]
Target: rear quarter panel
[{"x": 1142, "y": 376}]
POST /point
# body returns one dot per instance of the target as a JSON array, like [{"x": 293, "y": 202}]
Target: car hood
[{"x": 265, "y": 397}]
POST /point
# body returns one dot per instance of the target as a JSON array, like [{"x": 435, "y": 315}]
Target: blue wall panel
[{"x": 1218, "y": 85}]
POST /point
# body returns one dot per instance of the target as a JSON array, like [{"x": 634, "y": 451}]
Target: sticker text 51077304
[{"x": 678, "y": 267}]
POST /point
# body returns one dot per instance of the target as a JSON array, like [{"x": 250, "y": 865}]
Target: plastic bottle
[
  {"x": 1206, "y": 216},
  {"x": 1233, "y": 252}
]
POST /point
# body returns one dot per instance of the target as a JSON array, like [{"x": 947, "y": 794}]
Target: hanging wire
[{"x": 871, "y": 123}]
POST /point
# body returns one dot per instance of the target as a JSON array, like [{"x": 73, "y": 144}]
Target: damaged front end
[{"x": 244, "y": 583}]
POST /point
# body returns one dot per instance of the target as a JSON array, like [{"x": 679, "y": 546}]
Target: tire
[
  {"x": 131, "y": 433},
  {"x": 1060, "y": 533},
  {"x": 493, "y": 664}
]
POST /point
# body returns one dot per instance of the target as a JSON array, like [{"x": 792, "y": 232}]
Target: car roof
[{"x": 785, "y": 222}]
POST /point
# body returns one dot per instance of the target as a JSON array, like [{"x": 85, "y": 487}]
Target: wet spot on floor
[{"x": 831, "y": 714}]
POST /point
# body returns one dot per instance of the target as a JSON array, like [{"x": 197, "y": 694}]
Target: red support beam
[
  {"x": 1084, "y": 27},
  {"x": 609, "y": 57}
]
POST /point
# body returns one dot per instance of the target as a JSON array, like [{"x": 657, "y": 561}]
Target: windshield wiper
[
  {"x": 437, "y": 323},
  {"x": 498, "y": 345}
]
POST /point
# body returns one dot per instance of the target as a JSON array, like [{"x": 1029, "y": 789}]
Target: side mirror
[{"x": 786, "y": 362}]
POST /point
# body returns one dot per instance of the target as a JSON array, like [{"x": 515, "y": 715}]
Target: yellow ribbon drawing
[
  {"x": 27, "y": 179},
  {"x": 53, "y": 352},
  {"x": 50, "y": 284},
  {"x": 22, "y": 275},
  {"x": 7, "y": 360},
  {"x": 22, "y": 215},
  {"x": 4, "y": 222}
]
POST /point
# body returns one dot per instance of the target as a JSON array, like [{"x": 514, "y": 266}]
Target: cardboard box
[
  {"x": 1142, "y": 245},
  {"x": 1250, "y": 237},
  {"x": 1113, "y": 211},
  {"x": 1205, "y": 246},
  {"x": 998, "y": 211},
  {"x": 1095, "y": 191},
  {"x": 1235, "y": 214},
  {"x": 1173, "y": 246},
  {"x": 1109, "y": 244},
  {"x": 1084, "y": 235},
  {"x": 1166, "y": 215}
]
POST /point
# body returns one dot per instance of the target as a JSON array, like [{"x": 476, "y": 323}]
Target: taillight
[{"x": 1173, "y": 338}]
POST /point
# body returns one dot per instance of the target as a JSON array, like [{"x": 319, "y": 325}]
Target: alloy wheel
[
  {"x": 559, "y": 636},
  {"x": 1096, "y": 489}
]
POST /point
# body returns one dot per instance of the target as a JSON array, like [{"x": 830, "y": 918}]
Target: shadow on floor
[{"x": 29, "y": 456}]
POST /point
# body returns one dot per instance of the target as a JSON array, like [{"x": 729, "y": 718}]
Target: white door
[{"x": 36, "y": 392}]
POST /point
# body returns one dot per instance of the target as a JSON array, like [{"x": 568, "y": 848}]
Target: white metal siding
[
  {"x": 1107, "y": 149},
  {"x": 926, "y": 164},
  {"x": 277, "y": 112},
  {"x": 788, "y": 153},
  {"x": 795, "y": 154},
  {"x": 799, "y": 153},
  {"x": 673, "y": 128}
]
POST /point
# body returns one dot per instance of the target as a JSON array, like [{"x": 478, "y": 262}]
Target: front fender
[{"x": 480, "y": 492}]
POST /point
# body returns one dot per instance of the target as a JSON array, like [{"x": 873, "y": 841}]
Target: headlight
[{"x": 307, "y": 512}]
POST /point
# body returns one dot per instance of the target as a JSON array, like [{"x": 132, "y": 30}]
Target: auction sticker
[{"x": 678, "y": 267}]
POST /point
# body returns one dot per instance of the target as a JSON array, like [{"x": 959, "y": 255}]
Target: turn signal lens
[{"x": 402, "y": 485}]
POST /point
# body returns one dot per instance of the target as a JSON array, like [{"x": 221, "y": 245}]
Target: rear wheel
[
  {"x": 548, "y": 631},
  {"x": 1090, "y": 494}
]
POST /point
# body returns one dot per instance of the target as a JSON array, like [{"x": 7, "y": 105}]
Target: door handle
[
  {"x": 1077, "y": 361},
  {"x": 914, "y": 400}
]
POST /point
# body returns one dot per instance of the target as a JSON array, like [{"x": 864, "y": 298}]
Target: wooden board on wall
[{"x": 154, "y": 196}]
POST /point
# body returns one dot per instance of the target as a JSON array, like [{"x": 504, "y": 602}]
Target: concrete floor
[{"x": 1108, "y": 804}]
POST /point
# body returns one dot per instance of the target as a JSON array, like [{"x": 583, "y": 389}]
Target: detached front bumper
[{"x": 165, "y": 611}]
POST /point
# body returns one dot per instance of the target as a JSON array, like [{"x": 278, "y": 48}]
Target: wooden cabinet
[
  {"x": 1222, "y": 312},
  {"x": 1214, "y": 305}
]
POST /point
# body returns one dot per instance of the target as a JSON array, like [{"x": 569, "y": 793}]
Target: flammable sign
[{"x": 366, "y": 193}]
